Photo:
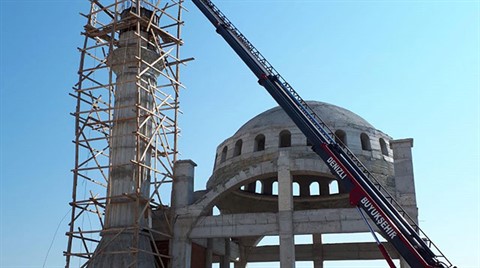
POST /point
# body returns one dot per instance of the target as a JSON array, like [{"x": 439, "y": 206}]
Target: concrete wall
[{"x": 247, "y": 216}]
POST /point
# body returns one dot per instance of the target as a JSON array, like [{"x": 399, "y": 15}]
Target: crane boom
[{"x": 365, "y": 191}]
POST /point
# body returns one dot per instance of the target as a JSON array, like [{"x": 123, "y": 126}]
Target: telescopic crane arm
[{"x": 365, "y": 192}]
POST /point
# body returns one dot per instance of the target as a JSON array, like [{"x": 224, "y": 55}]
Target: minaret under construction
[
  {"x": 129, "y": 185},
  {"x": 126, "y": 133}
]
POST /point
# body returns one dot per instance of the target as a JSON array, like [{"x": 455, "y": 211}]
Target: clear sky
[{"x": 410, "y": 68}]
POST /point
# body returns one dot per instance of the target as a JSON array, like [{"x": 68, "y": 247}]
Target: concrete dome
[
  {"x": 332, "y": 115},
  {"x": 254, "y": 149}
]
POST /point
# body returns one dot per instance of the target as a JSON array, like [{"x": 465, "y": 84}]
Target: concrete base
[{"x": 120, "y": 251}]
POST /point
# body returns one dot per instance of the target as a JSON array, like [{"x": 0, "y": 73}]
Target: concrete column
[
  {"x": 304, "y": 188},
  {"x": 181, "y": 245},
  {"x": 404, "y": 179},
  {"x": 324, "y": 188},
  {"x": 225, "y": 260},
  {"x": 209, "y": 253},
  {"x": 209, "y": 250},
  {"x": 285, "y": 211},
  {"x": 182, "y": 187},
  {"x": 341, "y": 187},
  {"x": 317, "y": 251},
  {"x": 251, "y": 187},
  {"x": 267, "y": 187}
]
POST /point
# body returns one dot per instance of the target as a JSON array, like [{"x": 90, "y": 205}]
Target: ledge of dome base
[
  {"x": 263, "y": 165},
  {"x": 303, "y": 161},
  {"x": 246, "y": 202},
  {"x": 271, "y": 154}
]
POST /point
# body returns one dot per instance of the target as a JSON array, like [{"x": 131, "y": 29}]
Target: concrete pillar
[
  {"x": 251, "y": 187},
  {"x": 182, "y": 188},
  {"x": 404, "y": 179},
  {"x": 317, "y": 251},
  {"x": 225, "y": 260},
  {"x": 183, "y": 182},
  {"x": 285, "y": 211},
  {"x": 267, "y": 187},
  {"x": 209, "y": 250},
  {"x": 181, "y": 245},
  {"x": 324, "y": 188},
  {"x": 304, "y": 188},
  {"x": 209, "y": 253},
  {"x": 341, "y": 187}
]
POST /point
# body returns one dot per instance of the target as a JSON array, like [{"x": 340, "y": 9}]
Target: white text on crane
[
  {"x": 336, "y": 167},
  {"x": 377, "y": 217}
]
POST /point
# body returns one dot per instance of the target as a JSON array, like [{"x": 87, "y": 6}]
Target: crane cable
[{"x": 379, "y": 244}]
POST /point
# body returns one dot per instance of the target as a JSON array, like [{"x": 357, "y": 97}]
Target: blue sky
[{"x": 410, "y": 68}]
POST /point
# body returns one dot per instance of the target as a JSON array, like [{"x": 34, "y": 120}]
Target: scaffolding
[{"x": 153, "y": 26}]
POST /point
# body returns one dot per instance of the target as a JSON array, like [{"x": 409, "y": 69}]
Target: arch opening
[
  {"x": 216, "y": 211},
  {"x": 275, "y": 188},
  {"x": 285, "y": 138},
  {"x": 223, "y": 157},
  {"x": 341, "y": 136},
  {"x": 258, "y": 187},
  {"x": 238, "y": 148},
  {"x": 365, "y": 140},
  {"x": 333, "y": 187},
  {"x": 296, "y": 189},
  {"x": 383, "y": 146},
  {"x": 314, "y": 188},
  {"x": 259, "y": 144}
]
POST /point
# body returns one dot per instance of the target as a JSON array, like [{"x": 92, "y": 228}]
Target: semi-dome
[{"x": 253, "y": 152}]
